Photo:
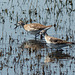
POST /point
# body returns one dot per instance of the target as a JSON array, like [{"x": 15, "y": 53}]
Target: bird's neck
[
  {"x": 23, "y": 24},
  {"x": 46, "y": 34}
]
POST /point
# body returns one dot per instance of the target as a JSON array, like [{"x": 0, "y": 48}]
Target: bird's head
[
  {"x": 20, "y": 23},
  {"x": 42, "y": 32}
]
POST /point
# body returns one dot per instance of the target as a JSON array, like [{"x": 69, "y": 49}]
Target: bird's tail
[
  {"x": 70, "y": 42},
  {"x": 45, "y": 29},
  {"x": 49, "y": 26}
]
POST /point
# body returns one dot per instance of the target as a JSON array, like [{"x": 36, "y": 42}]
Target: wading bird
[
  {"x": 54, "y": 40},
  {"x": 33, "y": 28}
]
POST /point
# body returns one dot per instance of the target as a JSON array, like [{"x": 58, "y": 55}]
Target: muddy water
[{"x": 20, "y": 54}]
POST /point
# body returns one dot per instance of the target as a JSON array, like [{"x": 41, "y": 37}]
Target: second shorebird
[
  {"x": 33, "y": 28},
  {"x": 54, "y": 40}
]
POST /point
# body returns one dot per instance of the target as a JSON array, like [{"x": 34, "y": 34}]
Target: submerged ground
[{"x": 20, "y": 53}]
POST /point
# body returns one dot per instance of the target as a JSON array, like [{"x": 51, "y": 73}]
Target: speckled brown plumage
[
  {"x": 54, "y": 40},
  {"x": 34, "y": 28}
]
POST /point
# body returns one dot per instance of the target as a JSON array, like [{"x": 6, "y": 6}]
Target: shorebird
[
  {"x": 33, "y": 28},
  {"x": 54, "y": 40}
]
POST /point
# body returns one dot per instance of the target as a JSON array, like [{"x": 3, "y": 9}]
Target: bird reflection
[
  {"x": 55, "y": 56},
  {"x": 33, "y": 44},
  {"x": 57, "y": 46}
]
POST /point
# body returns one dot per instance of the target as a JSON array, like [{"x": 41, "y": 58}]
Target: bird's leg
[
  {"x": 36, "y": 36},
  {"x": 41, "y": 36}
]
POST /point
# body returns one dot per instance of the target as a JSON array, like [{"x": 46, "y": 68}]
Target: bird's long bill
[{"x": 16, "y": 26}]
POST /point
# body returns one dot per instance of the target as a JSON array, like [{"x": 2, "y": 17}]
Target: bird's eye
[
  {"x": 40, "y": 32},
  {"x": 18, "y": 24}
]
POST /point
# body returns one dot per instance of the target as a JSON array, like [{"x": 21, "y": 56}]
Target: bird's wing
[
  {"x": 58, "y": 41},
  {"x": 35, "y": 26},
  {"x": 38, "y": 26}
]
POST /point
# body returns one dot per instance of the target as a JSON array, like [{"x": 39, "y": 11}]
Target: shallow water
[{"x": 20, "y": 54}]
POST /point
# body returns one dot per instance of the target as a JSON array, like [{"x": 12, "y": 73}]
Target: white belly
[
  {"x": 47, "y": 40},
  {"x": 34, "y": 32}
]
